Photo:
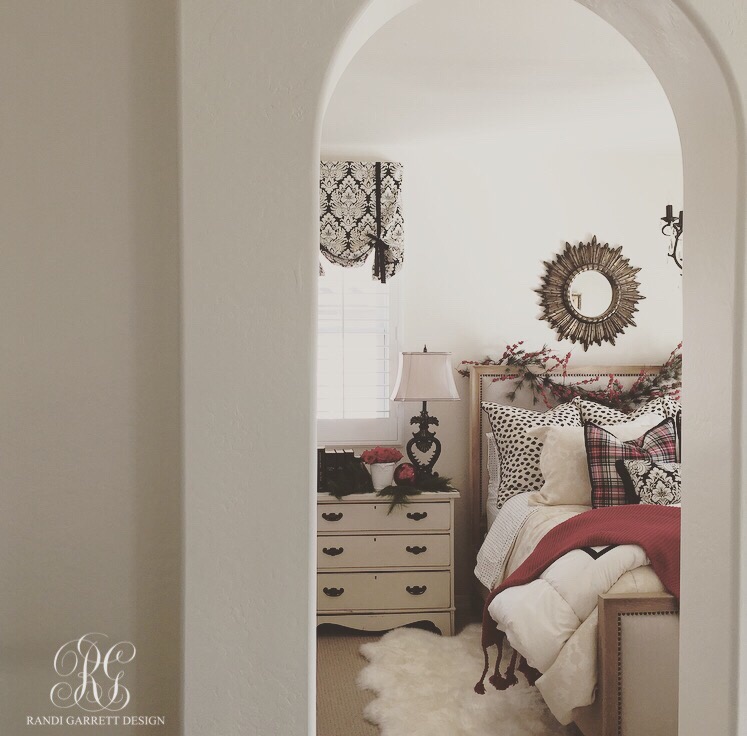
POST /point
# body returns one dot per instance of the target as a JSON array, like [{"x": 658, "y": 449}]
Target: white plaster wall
[
  {"x": 90, "y": 351},
  {"x": 481, "y": 217},
  {"x": 89, "y": 366},
  {"x": 249, "y": 126},
  {"x": 251, "y": 76}
]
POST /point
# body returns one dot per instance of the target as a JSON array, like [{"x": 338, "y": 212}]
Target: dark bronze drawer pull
[
  {"x": 332, "y": 516},
  {"x": 416, "y": 589},
  {"x": 416, "y": 550},
  {"x": 333, "y": 592},
  {"x": 417, "y": 515},
  {"x": 332, "y": 551}
]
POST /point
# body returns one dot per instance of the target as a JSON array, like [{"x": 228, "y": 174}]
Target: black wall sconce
[{"x": 672, "y": 228}]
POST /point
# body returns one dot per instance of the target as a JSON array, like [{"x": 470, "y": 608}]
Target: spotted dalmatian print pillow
[
  {"x": 519, "y": 452},
  {"x": 663, "y": 407}
]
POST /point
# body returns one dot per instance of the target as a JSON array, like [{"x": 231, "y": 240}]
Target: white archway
[
  {"x": 254, "y": 79},
  {"x": 700, "y": 92}
]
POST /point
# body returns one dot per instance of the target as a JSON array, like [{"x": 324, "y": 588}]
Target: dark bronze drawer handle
[
  {"x": 416, "y": 550},
  {"x": 416, "y": 589},
  {"x": 332, "y": 551},
  {"x": 417, "y": 515},
  {"x": 332, "y": 517},
  {"x": 333, "y": 592}
]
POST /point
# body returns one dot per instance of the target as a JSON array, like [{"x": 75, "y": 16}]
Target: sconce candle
[{"x": 672, "y": 228}]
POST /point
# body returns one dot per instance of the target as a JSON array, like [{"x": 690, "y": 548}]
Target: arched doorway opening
[{"x": 700, "y": 95}]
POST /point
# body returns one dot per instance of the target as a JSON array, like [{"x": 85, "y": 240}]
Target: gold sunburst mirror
[{"x": 589, "y": 293}]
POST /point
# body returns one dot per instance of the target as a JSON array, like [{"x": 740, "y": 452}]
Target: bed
[{"x": 618, "y": 673}]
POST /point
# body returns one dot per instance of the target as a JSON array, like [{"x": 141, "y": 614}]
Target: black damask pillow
[{"x": 655, "y": 483}]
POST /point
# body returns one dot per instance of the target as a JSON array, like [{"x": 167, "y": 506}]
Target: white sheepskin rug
[{"x": 424, "y": 686}]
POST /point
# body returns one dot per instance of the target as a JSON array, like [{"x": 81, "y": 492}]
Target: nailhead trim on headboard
[{"x": 619, "y": 658}]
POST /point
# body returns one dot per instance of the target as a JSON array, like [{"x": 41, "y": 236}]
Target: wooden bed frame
[{"x": 638, "y": 635}]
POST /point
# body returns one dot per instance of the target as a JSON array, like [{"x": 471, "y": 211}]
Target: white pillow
[
  {"x": 494, "y": 478},
  {"x": 494, "y": 471},
  {"x": 563, "y": 460}
]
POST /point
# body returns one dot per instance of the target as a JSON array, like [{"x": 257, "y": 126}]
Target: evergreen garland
[
  {"x": 532, "y": 368},
  {"x": 400, "y": 495},
  {"x": 354, "y": 478}
]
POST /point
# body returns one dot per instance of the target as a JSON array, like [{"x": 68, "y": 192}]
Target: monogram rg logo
[{"x": 98, "y": 672}]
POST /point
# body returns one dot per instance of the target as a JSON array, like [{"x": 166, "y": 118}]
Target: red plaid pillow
[{"x": 603, "y": 450}]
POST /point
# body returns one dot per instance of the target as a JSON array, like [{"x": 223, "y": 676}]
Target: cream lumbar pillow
[{"x": 563, "y": 460}]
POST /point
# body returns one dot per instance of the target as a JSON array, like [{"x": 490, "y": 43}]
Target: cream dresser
[{"x": 377, "y": 571}]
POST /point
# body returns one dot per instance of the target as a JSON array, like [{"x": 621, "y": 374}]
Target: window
[{"x": 357, "y": 356}]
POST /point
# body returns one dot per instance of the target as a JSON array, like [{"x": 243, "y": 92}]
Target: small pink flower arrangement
[{"x": 381, "y": 455}]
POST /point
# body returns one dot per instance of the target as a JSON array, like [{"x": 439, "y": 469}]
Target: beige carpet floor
[{"x": 339, "y": 702}]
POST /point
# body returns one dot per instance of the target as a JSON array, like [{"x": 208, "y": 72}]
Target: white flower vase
[{"x": 382, "y": 475}]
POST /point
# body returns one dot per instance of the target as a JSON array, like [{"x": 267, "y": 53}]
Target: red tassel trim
[
  {"x": 528, "y": 671},
  {"x": 503, "y": 682},
  {"x": 480, "y": 686},
  {"x": 496, "y": 679}
]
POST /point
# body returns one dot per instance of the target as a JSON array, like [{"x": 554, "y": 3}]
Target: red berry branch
[{"x": 531, "y": 373}]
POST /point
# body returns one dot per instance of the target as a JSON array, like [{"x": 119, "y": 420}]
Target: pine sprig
[{"x": 400, "y": 495}]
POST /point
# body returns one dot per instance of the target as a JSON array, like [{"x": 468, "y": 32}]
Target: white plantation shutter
[{"x": 357, "y": 350}]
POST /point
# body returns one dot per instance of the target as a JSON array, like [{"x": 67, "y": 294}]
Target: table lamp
[{"x": 424, "y": 377}]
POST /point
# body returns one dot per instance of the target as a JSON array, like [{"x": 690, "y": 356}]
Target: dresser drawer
[
  {"x": 367, "y": 591},
  {"x": 395, "y": 550},
  {"x": 353, "y": 517}
]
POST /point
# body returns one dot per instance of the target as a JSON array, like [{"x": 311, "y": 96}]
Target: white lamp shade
[{"x": 425, "y": 377}]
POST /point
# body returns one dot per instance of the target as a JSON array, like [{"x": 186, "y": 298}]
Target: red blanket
[{"x": 654, "y": 528}]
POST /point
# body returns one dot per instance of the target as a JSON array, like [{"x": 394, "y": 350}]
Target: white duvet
[{"x": 552, "y": 621}]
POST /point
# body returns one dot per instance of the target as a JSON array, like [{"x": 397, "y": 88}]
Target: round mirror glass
[{"x": 591, "y": 293}]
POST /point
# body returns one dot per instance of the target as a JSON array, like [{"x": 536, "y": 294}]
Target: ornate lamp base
[{"x": 424, "y": 440}]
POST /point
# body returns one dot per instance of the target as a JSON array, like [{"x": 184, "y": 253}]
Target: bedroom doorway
[{"x": 440, "y": 232}]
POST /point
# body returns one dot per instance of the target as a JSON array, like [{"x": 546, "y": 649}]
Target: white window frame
[{"x": 362, "y": 432}]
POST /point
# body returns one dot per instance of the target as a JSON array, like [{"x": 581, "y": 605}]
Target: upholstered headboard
[{"x": 493, "y": 383}]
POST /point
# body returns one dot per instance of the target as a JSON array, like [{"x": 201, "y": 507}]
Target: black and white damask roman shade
[{"x": 361, "y": 211}]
